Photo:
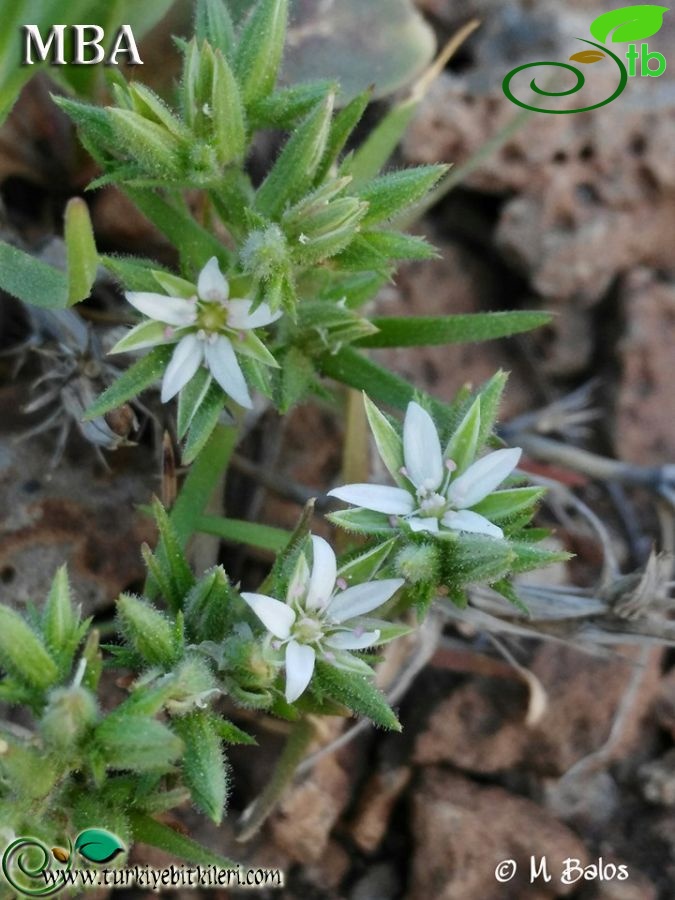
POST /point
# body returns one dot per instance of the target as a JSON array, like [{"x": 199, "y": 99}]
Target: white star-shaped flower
[
  {"x": 208, "y": 329},
  {"x": 316, "y": 621},
  {"x": 436, "y": 499}
]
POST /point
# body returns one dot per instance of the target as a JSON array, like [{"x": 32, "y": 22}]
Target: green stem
[{"x": 301, "y": 736}]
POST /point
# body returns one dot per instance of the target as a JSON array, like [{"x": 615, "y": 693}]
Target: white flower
[
  {"x": 207, "y": 329},
  {"x": 316, "y": 621},
  {"x": 435, "y": 500}
]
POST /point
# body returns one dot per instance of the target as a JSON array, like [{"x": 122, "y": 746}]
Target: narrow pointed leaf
[
  {"x": 260, "y": 49},
  {"x": 356, "y": 692},
  {"x": 419, "y": 331},
  {"x": 80, "y": 250},
  {"x": 133, "y": 381},
  {"x": 203, "y": 763}
]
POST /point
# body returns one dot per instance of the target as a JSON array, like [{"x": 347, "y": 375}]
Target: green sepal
[
  {"x": 148, "y": 631},
  {"x": 153, "y": 109},
  {"x": 61, "y": 627},
  {"x": 284, "y": 108},
  {"x": 528, "y": 556},
  {"x": 393, "y": 245},
  {"x": 362, "y": 521},
  {"x": 190, "y": 399},
  {"x": 209, "y": 606},
  {"x": 295, "y": 378},
  {"x": 463, "y": 445},
  {"x": 508, "y": 591},
  {"x": 23, "y": 654},
  {"x": 472, "y": 559},
  {"x": 203, "y": 423},
  {"x": 171, "y": 558},
  {"x": 294, "y": 170},
  {"x": 229, "y": 732},
  {"x": 502, "y": 506},
  {"x": 390, "y": 194},
  {"x": 213, "y": 23},
  {"x": 152, "y": 146},
  {"x": 356, "y": 692},
  {"x": 343, "y": 125},
  {"x": 174, "y": 286},
  {"x": 203, "y": 763},
  {"x": 138, "y": 743},
  {"x": 227, "y": 114},
  {"x": 365, "y": 566},
  {"x": 260, "y": 49},
  {"x": 388, "y": 442},
  {"x": 133, "y": 381}
]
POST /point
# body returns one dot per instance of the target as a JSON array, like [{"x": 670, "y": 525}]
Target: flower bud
[
  {"x": 150, "y": 145},
  {"x": 265, "y": 253},
  {"x": 149, "y": 632},
  {"x": 69, "y": 713},
  {"x": 193, "y": 687},
  {"x": 22, "y": 653},
  {"x": 417, "y": 563}
]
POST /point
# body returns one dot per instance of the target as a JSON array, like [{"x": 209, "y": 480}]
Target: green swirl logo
[
  {"x": 26, "y": 860},
  {"x": 630, "y": 23}
]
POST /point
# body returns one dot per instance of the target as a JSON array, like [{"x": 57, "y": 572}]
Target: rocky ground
[{"x": 514, "y": 749}]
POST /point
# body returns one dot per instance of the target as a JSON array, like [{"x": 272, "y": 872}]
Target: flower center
[
  {"x": 307, "y": 630},
  {"x": 212, "y": 317},
  {"x": 432, "y": 504}
]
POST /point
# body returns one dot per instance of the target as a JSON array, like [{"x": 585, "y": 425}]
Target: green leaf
[
  {"x": 425, "y": 331},
  {"x": 203, "y": 765},
  {"x": 201, "y": 482},
  {"x": 490, "y": 398},
  {"x": 472, "y": 559},
  {"x": 629, "y": 23},
  {"x": 529, "y": 556},
  {"x": 390, "y": 194},
  {"x": 190, "y": 399},
  {"x": 293, "y": 172},
  {"x": 373, "y": 154},
  {"x": 209, "y": 606},
  {"x": 260, "y": 49},
  {"x": 133, "y": 381},
  {"x": 195, "y": 243},
  {"x": 133, "y": 273},
  {"x": 203, "y": 423},
  {"x": 463, "y": 445},
  {"x": 31, "y": 280},
  {"x": 362, "y": 521},
  {"x": 237, "y": 531},
  {"x": 387, "y": 440},
  {"x": 149, "y": 831},
  {"x": 61, "y": 627},
  {"x": 98, "y": 845},
  {"x": 357, "y": 371},
  {"x": 81, "y": 251},
  {"x": 356, "y": 692}
]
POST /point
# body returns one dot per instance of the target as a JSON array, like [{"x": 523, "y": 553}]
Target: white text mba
[{"x": 87, "y": 46}]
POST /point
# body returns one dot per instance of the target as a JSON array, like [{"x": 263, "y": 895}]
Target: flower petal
[
  {"x": 481, "y": 478},
  {"x": 352, "y": 640},
  {"x": 222, "y": 361},
  {"x": 212, "y": 284},
  {"x": 466, "y": 520},
  {"x": 170, "y": 310},
  {"x": 423, "y": 524},
  {"x": 239, "y": 315},
  {"x": 186, "y": 359},
  {"x": 362, "y": 598},
  {"x": 422, "y": 448},
  {"x": 277, "y": 617},
  {"x": 324, "y": 573},
  {"x": 300, "y": 661},
  {"x": 378, "y": 497}
]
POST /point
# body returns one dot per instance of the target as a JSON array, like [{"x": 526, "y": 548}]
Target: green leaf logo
[
  {"x": 98, "y": 845},
  {"x": 630, "y": 23}
]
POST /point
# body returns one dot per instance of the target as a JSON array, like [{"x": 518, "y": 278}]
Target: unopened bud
[
  {"x": 418, "y": 563},
  {"x": 69, "y": 713}
]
